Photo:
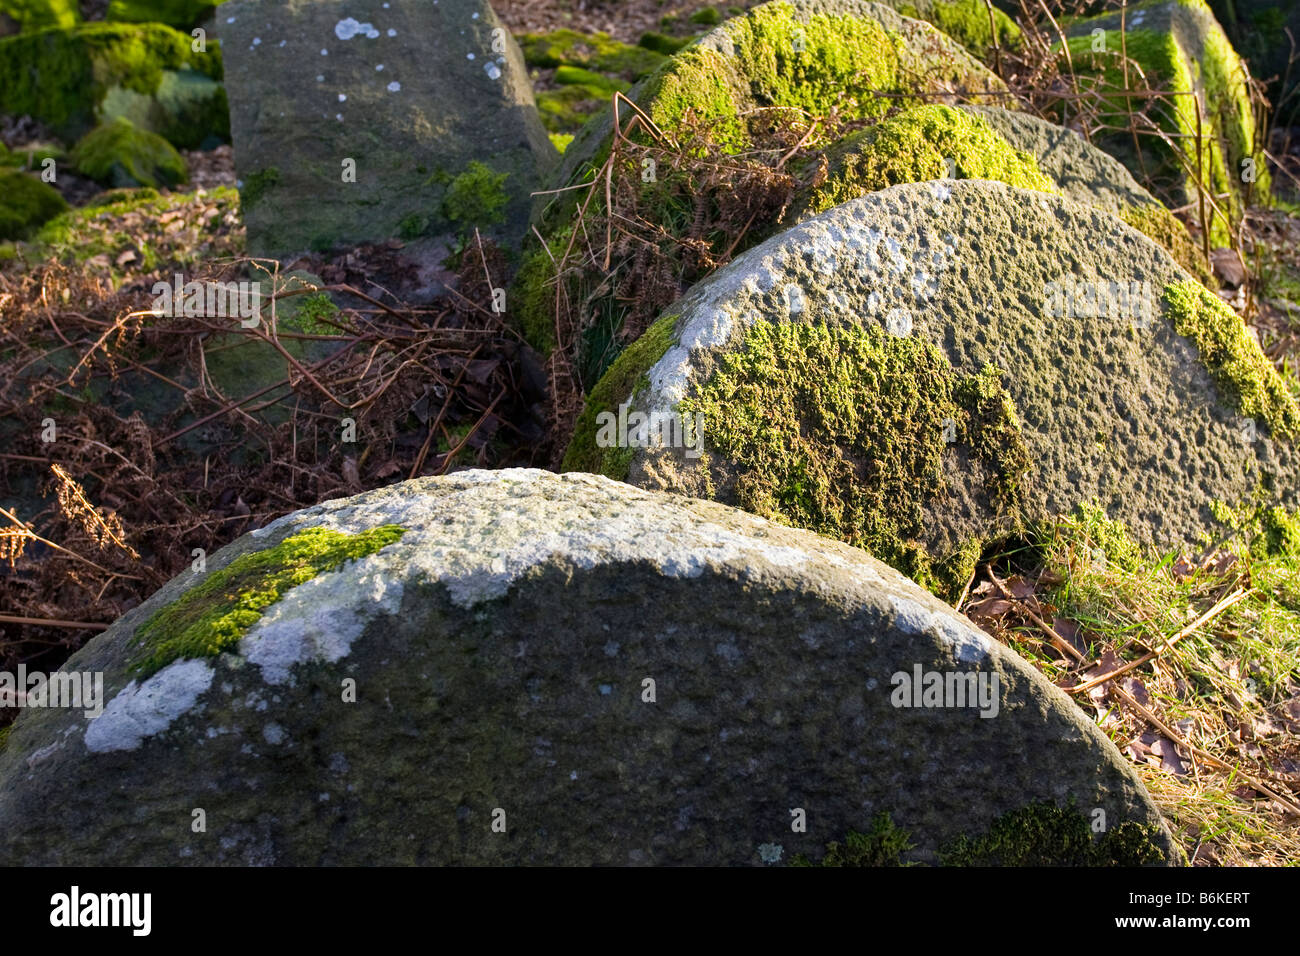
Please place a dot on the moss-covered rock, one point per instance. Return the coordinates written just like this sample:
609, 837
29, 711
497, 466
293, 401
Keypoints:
1180, 47
926, 142
181, 14
71, 79
363, 682
935, 366
119, 155
30, 15
26, 204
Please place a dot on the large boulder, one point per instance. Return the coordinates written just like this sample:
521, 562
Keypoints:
970, 22
1181, 48
345, 132
518, 667
936, 366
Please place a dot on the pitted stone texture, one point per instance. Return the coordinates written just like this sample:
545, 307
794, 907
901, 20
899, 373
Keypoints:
1083, 172
500, 650
411, 90
1110, 410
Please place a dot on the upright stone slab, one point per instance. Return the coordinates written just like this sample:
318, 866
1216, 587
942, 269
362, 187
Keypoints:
361, 120
936, 366
518, 667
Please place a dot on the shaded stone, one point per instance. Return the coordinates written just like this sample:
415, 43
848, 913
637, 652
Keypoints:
415, 95
615, 676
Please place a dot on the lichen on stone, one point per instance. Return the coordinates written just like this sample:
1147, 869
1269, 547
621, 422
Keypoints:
214, 615
843, 430
1247, 380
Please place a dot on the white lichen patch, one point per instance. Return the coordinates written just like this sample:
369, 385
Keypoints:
143, 710
320, 618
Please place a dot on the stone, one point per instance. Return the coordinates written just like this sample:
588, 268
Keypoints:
858, 59
355, 120
119, 155
935, 367
1091, 176
1182, 48
26, 204
608, 675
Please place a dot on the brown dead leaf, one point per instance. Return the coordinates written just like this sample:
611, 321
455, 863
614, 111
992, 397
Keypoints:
989, 609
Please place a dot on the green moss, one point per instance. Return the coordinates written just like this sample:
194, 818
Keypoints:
566, 109
843, 430
311, 312
560, 141
623, 380
597, 83
662, 43
1165, 229
61, 76
121, 197
477, 197
1248, 381
181, 14
1089, 528
118, 154
824, 63
32, 15
255, 186
706, 16
212, 616
1043, 834
916, 146
967, 22
591, 51
26, 204
1281, 532
883, 845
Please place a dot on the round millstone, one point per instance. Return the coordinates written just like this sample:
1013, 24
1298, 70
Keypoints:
1065, 309
551, 669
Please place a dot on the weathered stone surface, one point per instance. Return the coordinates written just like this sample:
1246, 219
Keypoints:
414, 92
1093, 177
500, 650
885, 422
